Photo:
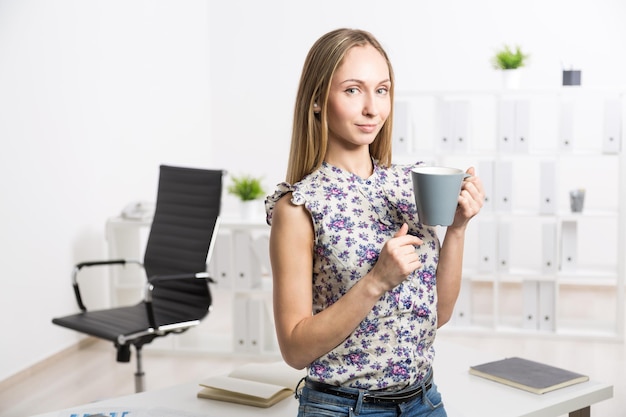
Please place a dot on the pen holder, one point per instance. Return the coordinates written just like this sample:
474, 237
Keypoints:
577, 200
571, 77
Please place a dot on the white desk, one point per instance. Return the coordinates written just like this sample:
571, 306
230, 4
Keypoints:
465, 395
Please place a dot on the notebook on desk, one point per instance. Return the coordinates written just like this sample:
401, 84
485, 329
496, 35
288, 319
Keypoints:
254, 384
527, 375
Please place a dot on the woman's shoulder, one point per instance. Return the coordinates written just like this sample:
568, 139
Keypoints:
281, 191
295, 193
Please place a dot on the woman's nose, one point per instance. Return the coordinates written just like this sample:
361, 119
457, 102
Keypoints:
370, 107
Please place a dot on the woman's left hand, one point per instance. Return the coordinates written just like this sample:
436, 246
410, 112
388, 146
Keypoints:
471, 199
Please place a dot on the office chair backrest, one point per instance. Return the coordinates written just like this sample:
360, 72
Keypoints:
184, 224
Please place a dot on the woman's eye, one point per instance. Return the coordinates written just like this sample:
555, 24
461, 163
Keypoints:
352, 90
383, 90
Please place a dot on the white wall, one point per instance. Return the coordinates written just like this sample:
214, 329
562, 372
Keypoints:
95, 94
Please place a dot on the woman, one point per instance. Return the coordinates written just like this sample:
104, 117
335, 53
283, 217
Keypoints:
360, 286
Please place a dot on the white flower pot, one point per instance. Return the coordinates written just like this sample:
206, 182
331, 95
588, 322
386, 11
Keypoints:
511, 79
249, 209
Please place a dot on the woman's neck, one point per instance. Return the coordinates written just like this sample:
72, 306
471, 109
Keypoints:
356, 162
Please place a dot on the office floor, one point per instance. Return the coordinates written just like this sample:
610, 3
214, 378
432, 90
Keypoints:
90, 373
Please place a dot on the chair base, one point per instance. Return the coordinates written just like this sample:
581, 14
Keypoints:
140, 376
123, 355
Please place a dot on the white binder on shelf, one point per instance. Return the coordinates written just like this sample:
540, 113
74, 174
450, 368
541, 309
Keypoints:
549, 264
503, 182
447, 131
522, 126
402, 141
506, 126
504, 247
255, 322
246, 270
612, 139
530, 304
569, 244
547, 298
547, 188
241, 337
487, 246
220, 265
261, 253
566, 126
461, 125
463, 308
486, 173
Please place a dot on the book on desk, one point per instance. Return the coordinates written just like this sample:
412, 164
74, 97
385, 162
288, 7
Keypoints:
255, 384
528, 375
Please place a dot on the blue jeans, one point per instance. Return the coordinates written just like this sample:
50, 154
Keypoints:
319, 404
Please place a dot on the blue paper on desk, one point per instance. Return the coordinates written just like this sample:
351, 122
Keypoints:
128, 412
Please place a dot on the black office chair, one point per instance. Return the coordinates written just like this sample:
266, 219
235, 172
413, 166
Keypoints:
177, 293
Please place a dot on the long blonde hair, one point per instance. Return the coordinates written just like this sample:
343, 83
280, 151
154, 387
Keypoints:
309, 137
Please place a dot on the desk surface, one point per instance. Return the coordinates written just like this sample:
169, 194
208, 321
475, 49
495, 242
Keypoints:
464, 395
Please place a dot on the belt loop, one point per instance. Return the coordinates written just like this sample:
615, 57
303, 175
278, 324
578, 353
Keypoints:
359, 402
298, 390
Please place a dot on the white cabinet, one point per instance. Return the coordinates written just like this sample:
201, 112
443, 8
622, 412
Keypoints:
242, 268
241, 319
126, 239
530, 263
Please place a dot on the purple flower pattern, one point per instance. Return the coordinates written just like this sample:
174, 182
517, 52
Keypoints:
353, 218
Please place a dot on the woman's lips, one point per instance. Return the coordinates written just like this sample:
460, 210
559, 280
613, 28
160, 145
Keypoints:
367, 128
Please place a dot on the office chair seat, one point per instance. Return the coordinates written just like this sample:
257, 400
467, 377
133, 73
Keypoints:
108, 324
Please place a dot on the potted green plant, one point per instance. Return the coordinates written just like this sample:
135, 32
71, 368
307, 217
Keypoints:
248, 189
510, 60
507, 58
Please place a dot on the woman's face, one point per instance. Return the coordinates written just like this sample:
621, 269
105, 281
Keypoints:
359, 101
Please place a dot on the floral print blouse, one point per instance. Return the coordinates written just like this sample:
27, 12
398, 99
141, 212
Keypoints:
352, 220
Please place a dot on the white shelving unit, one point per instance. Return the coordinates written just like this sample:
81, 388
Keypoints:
531, 264
241, 319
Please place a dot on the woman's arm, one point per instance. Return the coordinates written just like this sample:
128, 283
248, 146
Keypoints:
304, 337
450, 267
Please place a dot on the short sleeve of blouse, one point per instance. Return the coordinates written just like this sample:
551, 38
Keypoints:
283, 188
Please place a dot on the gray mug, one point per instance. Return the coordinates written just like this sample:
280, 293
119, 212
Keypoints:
437, 192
